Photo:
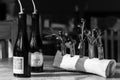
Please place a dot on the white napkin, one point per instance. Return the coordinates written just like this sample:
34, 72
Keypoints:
103, 67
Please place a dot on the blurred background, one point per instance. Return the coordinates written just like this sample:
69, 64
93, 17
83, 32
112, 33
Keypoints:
60, 15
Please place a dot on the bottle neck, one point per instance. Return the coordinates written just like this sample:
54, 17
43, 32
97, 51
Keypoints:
22, 38
35, 24
22, 23
35, 38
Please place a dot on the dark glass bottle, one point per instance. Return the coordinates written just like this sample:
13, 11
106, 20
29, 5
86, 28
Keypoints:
68, 40
63, 39
59, 41
77, 28
81, 49
36, 45
21, 66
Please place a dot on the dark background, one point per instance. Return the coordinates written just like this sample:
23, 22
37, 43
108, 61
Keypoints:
55, 7
62, 10
67, 6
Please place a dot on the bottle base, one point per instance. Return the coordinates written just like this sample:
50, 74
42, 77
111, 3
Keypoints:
22, 75
36, 69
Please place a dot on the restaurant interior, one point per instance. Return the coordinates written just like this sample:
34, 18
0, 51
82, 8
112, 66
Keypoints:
60, 15
57, 15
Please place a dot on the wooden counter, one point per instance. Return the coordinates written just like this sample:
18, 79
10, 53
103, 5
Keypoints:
51, 73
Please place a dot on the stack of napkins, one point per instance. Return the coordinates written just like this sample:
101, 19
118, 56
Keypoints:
104, 67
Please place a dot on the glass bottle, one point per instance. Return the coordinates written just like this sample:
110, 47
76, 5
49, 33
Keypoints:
21, 65
77, 28
36, 46
100, 46
67, 43
81, 48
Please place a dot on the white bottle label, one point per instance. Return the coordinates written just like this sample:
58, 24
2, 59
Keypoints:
36, 59
18, 65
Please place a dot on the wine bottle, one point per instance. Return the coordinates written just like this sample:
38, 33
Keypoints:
21, 65
36, 45
77, 28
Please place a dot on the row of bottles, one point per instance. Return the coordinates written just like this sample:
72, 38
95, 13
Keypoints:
93, 44
83, 39
84, 43
28, 56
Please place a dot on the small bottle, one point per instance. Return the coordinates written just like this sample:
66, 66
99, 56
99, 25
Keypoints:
77, 28
67, 43
91, 51
100, 46
70, 45
81, 48
36, 45
63, 39
21, 65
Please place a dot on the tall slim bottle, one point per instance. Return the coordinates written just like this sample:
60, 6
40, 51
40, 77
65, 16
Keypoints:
36, 45
21, 65
77, 28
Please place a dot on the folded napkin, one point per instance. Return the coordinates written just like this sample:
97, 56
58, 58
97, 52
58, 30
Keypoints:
104, 67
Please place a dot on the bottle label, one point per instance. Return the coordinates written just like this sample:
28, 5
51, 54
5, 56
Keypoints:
18, 66
36, 59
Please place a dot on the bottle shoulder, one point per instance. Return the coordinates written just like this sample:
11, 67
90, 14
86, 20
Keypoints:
21, 41
35, 44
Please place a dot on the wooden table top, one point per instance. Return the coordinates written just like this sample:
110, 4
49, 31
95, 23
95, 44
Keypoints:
51, 73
